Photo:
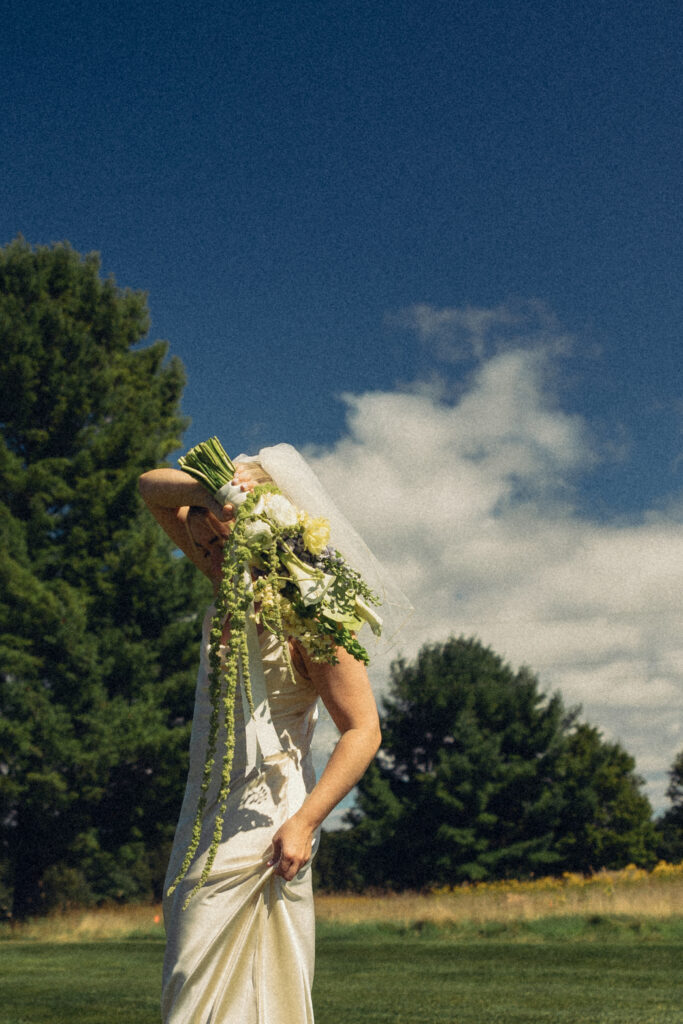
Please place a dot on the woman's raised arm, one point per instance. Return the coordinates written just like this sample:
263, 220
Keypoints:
346, 693
168, 494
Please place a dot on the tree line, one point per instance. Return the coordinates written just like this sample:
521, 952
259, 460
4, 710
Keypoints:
483, 776
480, 774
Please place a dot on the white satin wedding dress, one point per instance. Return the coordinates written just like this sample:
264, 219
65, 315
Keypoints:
243, 951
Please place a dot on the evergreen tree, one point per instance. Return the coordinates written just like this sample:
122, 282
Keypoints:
98, 620
479, 777
670, 825
605, 820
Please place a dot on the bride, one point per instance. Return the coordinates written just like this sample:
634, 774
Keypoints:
242, 952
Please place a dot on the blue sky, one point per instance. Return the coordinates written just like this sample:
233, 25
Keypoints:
473, 205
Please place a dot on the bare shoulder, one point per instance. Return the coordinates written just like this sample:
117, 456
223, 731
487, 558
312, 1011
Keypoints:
344, 688
322, 674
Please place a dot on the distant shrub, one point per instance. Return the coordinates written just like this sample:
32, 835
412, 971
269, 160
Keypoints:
65, 888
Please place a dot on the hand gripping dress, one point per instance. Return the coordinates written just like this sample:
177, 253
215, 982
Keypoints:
243, 951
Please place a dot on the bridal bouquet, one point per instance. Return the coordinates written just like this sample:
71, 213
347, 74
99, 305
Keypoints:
279, 565
301, 583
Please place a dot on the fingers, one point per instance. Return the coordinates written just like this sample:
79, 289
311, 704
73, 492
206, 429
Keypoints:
221, 520
284, 863
292, 848
242, 479
288, 869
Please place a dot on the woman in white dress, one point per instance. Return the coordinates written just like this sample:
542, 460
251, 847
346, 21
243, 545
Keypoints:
243, 950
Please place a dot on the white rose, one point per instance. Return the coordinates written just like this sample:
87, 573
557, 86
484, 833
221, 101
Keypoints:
281, 511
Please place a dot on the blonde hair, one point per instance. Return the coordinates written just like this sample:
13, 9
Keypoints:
257, 472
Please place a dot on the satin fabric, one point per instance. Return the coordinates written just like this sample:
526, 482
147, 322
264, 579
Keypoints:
243, 951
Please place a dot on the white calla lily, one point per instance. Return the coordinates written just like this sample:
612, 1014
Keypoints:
364, 611
313, 583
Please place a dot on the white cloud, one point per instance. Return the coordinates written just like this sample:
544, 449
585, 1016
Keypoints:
472, 508
456, 334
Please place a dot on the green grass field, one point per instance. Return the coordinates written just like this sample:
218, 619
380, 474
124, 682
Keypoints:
597, 970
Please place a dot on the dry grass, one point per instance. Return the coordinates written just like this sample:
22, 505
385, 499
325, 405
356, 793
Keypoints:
632, 892
125, 922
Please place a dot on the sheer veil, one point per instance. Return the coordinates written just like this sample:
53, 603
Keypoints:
288, 469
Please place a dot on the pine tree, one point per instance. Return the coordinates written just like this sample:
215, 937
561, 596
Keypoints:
481, 775
604, 818
98, 620
670, 825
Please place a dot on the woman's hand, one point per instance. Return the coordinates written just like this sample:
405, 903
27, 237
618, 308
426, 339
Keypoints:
292, 844
242, 480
